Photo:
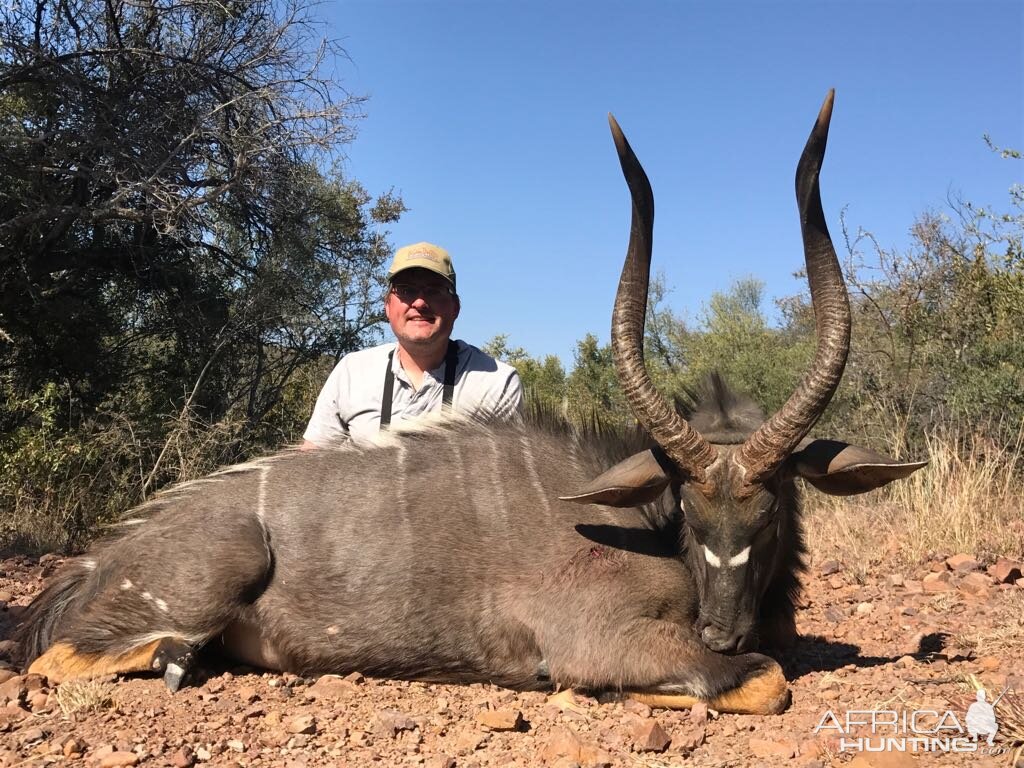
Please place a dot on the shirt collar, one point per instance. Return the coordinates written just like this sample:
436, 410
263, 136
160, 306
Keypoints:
435, 374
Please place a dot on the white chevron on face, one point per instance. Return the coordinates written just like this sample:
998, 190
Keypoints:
736, 560
713, 560
739, 559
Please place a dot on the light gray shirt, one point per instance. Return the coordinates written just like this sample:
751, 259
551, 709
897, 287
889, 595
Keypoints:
349, 403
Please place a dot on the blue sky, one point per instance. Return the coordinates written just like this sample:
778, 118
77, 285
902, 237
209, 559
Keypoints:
490, 119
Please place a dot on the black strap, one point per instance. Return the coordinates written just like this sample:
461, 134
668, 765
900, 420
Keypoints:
451, 364
389, 394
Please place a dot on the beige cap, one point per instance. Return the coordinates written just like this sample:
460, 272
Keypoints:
423, 256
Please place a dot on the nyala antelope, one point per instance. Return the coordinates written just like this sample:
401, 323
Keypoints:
503, 553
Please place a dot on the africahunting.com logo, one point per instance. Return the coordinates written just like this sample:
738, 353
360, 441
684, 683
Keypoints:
923, 730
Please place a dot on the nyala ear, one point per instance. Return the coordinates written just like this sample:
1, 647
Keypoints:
841, 469
637, 480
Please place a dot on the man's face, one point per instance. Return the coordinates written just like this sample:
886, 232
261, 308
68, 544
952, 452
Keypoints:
421, 308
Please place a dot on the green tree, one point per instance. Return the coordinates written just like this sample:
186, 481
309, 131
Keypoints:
937, 337
665, 334
177, 249
159, 163
937, 333
543, 380
734, 338
592, 388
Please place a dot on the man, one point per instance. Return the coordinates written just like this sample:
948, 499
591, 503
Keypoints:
426, 372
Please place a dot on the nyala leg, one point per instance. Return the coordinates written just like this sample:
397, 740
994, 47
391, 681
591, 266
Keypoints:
148, 601
172, 656
664, 664
764, 691
175, 658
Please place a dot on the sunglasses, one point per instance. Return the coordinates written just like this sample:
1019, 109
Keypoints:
408, 292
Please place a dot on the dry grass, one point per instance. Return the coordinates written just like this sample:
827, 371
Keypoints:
84, 696
1005, 635
968, 499
1010, 715
58, 492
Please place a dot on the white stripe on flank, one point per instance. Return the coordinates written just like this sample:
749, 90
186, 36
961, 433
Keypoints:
162, 605
739, 559
713, 560
498, 464
127, 584
176, 492
400, 480
531, 469
261, 498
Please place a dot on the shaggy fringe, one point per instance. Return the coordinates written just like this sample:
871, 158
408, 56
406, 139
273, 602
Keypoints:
62, 595
723, 416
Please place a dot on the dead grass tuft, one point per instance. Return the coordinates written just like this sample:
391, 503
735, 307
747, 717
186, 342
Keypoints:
84, 696
1006, 633
1010, 716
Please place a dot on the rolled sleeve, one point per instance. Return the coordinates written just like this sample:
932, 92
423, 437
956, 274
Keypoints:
326, 425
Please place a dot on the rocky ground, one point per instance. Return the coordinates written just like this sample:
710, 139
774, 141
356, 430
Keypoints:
903, 640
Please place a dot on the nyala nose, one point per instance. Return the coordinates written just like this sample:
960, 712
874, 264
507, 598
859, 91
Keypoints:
725, 640
718, 639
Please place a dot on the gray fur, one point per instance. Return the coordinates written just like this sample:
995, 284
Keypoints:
338, 567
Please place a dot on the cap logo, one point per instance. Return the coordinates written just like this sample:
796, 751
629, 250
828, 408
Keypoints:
428, 255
